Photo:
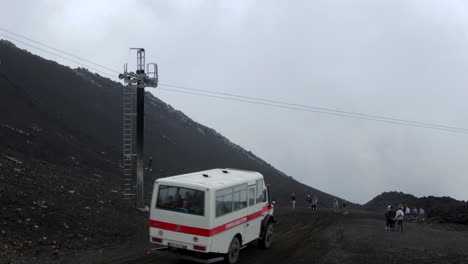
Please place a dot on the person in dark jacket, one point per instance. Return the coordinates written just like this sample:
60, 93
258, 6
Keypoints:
388, 217
314, 203
345, 207
150, 164
392, 215
309, 201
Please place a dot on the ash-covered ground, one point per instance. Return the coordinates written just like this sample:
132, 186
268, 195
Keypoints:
302, 236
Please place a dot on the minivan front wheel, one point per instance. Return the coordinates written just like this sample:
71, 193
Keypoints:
267, 238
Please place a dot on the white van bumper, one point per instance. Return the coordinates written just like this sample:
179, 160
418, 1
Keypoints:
188, 255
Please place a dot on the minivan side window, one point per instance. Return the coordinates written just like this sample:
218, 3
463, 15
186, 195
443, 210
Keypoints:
240, 200
231, 199
252, 196
223, 201
260, 191
243, 199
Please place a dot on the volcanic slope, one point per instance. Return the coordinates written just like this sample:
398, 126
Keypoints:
90, 105
60, 148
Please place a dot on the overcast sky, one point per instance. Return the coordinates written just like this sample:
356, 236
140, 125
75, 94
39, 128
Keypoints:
404, 59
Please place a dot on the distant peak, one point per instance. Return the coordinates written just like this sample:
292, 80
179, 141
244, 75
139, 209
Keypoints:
7, 42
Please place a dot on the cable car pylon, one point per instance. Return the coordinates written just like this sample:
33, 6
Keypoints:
133, 99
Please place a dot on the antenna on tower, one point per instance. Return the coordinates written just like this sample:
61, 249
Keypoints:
133, 94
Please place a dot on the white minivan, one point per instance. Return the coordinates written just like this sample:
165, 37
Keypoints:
211, 215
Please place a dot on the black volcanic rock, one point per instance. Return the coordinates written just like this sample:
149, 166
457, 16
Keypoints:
392, 198
440, 209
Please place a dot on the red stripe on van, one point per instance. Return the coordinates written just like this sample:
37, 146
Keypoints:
207, 232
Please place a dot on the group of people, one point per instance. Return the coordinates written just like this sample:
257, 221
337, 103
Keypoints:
403, 213
414, 214
312, 203
336, 206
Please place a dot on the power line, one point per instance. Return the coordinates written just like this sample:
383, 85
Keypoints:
60, 56
241, 98
64, 52
315, 111
314, 107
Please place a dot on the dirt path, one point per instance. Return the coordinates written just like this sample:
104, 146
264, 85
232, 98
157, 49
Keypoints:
327, 237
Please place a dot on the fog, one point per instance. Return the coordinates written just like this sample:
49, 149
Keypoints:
403, 59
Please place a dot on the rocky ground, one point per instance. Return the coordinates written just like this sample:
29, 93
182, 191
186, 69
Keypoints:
47, 211
359, 237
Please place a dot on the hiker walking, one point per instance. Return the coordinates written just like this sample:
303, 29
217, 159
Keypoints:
414, 214
421, 214
149, 166
309, 201
407, 212
335, 205
293, 200
388, 218
392, 217
314, 203
399, 218
345, 207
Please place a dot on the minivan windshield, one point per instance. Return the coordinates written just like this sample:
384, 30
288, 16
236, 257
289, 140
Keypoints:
180, 199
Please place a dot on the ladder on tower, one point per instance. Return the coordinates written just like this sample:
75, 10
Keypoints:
129, 122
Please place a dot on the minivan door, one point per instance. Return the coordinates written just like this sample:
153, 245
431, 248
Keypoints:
253, 226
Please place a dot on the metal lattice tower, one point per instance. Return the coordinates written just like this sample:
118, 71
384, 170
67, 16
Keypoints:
133, 118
